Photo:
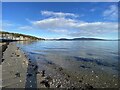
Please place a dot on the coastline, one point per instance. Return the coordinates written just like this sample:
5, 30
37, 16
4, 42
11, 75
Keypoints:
18, 71
22, 71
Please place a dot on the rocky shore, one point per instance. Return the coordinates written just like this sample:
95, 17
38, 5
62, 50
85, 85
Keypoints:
3, 47
19, 70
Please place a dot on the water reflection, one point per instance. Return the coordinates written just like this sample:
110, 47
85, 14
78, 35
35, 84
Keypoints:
102, 53
26, 42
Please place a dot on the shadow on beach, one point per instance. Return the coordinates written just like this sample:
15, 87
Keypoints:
31, 76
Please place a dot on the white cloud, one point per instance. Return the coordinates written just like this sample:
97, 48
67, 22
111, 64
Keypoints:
111, 13
78, 26
53, 23
58, 14
59, 31
25, 28
72, 27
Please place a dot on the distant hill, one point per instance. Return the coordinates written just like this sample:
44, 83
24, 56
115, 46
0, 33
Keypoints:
80, 39
63, 39
87, 39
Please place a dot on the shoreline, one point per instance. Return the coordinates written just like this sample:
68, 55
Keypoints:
3, 47
23, 71
14, 67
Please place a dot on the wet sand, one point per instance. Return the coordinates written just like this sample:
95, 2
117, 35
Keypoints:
20, 71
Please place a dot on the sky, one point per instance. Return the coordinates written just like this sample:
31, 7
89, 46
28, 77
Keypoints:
61, 19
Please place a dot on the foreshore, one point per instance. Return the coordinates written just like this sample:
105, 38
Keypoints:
14, 67
20, 71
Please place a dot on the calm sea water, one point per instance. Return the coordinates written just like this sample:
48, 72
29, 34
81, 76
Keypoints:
71, 54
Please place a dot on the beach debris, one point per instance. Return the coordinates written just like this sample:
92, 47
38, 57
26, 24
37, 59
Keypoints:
48, 78
18, 55
68, 76
30, 85
17, 74
80, 81
3, 59
50, 62
67, 79
92, 71
38, 72
72, 88
88, 87
43, 73
32, 65
25, 55
45, 82
29, 75
35, 67
85, 67
18, 48
59, 85
20, 80
29, 61
11, 55
60, 69
96, 76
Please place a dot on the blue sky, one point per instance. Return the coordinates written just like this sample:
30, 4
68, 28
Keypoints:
61, 20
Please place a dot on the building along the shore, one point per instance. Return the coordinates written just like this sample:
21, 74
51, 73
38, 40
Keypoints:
16, 36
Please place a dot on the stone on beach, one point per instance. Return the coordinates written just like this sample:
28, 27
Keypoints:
48, 78
18, 55
59, 85
46, 83
17, 74
88, 87
36, 67
43, 73
29, 74
60, 68
3, 59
